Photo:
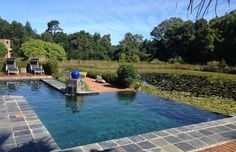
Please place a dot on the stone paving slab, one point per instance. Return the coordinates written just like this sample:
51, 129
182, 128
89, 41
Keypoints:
19, 133
55, 84
186, 138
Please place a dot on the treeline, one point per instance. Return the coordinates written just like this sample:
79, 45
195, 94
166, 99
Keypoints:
174, 40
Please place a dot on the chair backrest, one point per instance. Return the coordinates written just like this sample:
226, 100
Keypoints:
34, 62
10, 61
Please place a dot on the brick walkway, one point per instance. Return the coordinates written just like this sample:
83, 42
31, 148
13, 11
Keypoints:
228, 147
100, 87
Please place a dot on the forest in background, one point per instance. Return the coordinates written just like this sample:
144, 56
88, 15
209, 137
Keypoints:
173, 40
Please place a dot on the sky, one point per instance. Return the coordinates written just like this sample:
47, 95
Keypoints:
114, 17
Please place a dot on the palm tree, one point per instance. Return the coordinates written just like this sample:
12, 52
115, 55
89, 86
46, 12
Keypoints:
202, 6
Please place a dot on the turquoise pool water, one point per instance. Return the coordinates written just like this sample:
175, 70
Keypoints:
83, 120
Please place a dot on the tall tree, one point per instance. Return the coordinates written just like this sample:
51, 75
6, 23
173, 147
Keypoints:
129, 47
53, 27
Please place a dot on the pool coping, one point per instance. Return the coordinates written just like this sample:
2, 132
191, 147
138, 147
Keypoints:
21, 129
186, 138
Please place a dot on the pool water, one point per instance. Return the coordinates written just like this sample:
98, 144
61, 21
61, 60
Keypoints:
88, 119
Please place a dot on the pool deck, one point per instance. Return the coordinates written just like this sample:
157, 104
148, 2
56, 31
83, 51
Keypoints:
4, 76
22, 130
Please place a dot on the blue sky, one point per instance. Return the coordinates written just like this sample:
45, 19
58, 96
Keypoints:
115, 17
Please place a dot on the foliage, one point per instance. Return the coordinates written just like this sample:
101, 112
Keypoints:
157, 61
39, 48
2, 65
3, 50
126, 74
129, 48
176, 59
51, 68
217, 104
137, 84
195, 42
53, 27
17, 33
83, 45
216, 66
109, 77
197, 85
21, 63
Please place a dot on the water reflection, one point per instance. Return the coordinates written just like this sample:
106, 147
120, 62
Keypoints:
35, 85
74, 103
126, 97
12, 85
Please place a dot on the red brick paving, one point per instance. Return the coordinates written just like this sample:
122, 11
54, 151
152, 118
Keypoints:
23, 76
227, 147
100, 87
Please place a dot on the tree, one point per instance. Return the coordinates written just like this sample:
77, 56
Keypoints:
165, 27
165, 38
62, 39
83, 45
53, 27
17, 33
225, 27
46, 36
130, 46
42, 49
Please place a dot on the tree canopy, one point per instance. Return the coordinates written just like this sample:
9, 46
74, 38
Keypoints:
193, 42
41, 49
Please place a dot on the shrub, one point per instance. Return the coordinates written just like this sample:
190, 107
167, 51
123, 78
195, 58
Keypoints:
126, 74
3, 50
157, 61
21, 64
216, 66
137, 84
107, 76
42, 49
51, 68
2, 65
176, 59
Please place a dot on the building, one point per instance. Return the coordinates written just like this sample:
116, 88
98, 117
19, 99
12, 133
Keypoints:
7, 43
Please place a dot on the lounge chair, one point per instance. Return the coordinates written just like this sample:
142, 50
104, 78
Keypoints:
34, 66
11, 66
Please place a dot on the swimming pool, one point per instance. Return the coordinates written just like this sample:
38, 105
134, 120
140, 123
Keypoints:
88, 119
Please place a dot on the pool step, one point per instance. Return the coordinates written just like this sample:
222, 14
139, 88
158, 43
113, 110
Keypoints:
61, 87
